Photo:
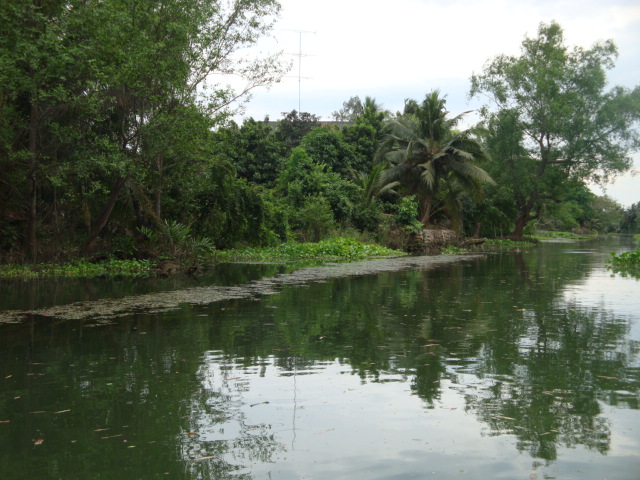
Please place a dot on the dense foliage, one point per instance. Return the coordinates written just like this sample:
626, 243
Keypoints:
107, 109
116, 142
430, 159
554, 126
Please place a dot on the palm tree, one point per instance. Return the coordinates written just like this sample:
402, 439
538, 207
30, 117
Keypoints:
431, 159
371, 184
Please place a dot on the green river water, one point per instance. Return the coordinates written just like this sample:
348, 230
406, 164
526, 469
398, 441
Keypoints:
506, 366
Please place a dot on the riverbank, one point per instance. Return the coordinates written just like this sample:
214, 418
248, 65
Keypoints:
336, 249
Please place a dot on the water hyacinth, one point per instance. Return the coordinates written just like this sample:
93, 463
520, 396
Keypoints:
337, 248
113, 267
627, 263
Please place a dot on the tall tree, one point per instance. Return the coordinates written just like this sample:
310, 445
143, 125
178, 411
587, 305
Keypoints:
556, 120
326, 145
351, 109
139, 77
431, 159
253, 149
365, 132
294, 126
35, 90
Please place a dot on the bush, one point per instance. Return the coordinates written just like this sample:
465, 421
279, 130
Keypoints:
314, 220
231, 211
406, 216
174, 240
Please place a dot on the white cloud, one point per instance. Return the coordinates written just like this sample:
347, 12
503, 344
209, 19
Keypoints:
359, 47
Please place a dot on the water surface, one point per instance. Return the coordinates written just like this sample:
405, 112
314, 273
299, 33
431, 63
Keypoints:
519, 365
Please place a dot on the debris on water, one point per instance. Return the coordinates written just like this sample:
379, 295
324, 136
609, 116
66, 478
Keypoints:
100, 312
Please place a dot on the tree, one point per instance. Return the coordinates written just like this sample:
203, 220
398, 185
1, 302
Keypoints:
630, 220
229, 210
326, 145
294, 126
304, 182
35, 57
607, 215
431, 159
554, 119
107, 95
365, 132
351, 109
254, 149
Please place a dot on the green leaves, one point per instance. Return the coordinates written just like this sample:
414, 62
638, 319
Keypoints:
93, 92
83, 268
332, 248
432, 160
555, 123
627, 263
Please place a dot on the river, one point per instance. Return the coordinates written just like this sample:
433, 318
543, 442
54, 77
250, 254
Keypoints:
518, 365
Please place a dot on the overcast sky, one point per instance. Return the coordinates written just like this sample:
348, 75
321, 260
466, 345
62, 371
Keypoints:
404, 49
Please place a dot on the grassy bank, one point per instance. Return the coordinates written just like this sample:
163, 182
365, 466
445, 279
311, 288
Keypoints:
333, 249
81, 268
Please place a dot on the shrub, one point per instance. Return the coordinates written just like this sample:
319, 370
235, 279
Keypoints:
406, 215
174, 240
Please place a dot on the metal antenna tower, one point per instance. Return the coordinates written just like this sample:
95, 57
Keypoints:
300, 55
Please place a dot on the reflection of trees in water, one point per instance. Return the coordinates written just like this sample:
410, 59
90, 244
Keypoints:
549, 364
542, 366
220, 442
546, 388
527, 364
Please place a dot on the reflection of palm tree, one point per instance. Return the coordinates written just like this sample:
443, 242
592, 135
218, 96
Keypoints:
430, 158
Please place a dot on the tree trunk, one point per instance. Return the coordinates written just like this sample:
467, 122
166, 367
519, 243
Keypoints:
157, 203
524, 217
426, 211
521, 222
524, 213
157, 194
476, 232
105, 214
32, 210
